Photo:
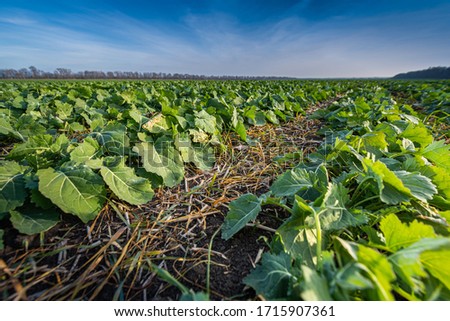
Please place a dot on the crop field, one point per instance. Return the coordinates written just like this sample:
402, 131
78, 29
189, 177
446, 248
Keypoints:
225, 190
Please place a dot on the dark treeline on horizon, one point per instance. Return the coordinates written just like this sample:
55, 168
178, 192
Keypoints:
430, 73
64, 73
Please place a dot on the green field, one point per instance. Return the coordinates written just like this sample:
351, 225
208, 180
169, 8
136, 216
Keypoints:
298, 190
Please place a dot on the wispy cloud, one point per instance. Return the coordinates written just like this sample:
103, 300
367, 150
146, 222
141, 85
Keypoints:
217, 43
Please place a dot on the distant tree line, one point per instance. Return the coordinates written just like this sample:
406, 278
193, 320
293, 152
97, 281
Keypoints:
63, 73
430, 73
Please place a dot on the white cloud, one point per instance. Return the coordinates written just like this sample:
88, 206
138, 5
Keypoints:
218, 44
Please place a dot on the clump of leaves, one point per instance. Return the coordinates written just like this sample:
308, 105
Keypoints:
368, 213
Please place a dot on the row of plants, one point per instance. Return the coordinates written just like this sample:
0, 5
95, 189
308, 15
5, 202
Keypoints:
368, 212
70, 147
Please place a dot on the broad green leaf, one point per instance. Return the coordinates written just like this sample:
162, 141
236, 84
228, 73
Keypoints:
361, 105
2, 245
41, 151
63, 110
299, 241
241, 211
85, 151
376, 266
375, 141
75, 190
27, 126
392, 190
260, 118
60, 145
181, 121
420, 186
350, 277
399, 235
408, 262
315, 286
250, 113
96, 122
441, 178
33, 146
418, 133
339, 147
137, 116
162, 159
437, 263
19, 102
272, 278
234, 116
124, 183
166, 105
281, 115
5, 126
12, 186
206, 122
438, 153
241, 130
40, 200
76, 127
440, 202
34, 221
113, 139
390, 130
333, 213
292, 181
183, 144
202, 156
270, 115
7, 129
301, 209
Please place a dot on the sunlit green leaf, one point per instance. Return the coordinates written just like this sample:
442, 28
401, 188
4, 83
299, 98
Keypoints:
375, 265
75, 190
392, 190
85, 151
438, 153
409, 264
206, 122
399, 235
124, 183
241, 211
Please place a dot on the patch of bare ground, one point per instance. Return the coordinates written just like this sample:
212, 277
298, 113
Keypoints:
111, 258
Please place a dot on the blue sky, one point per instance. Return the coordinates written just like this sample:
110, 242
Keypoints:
298, 38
